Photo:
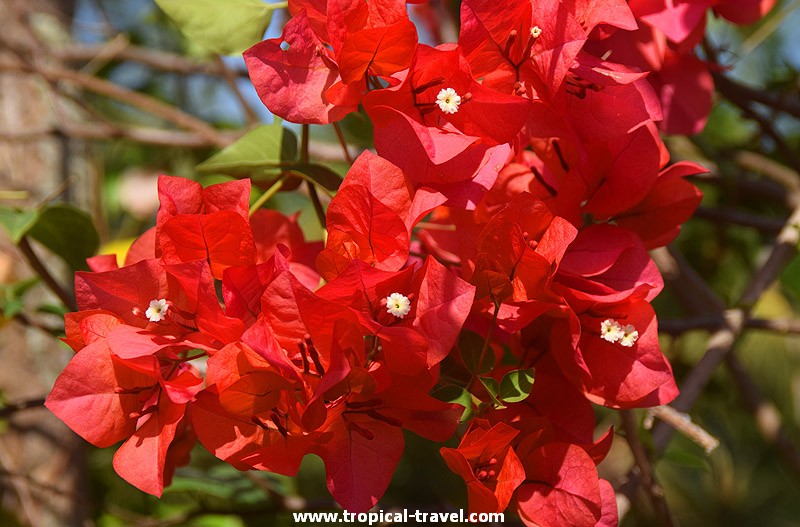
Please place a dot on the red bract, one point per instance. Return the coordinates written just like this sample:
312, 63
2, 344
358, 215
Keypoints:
195, 223
561, 488
105, 399
249, 396
520, 247
440, 139
368, 439
488, 464
293, 75
371, 217
187, 288
658, 217
439, 303
271, 229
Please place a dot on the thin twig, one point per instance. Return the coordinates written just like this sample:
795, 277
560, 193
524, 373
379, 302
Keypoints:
130, 97
107, 132
722, 340
682, 423
232, 79
271, 191
729, 216
648, 479
714, 322
312, 188
36, 264
11, 408
768, 418
733, 89
342, 142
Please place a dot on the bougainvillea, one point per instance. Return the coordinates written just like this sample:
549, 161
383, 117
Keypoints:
518, 184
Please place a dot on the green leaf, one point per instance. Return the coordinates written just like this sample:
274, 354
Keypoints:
470, 345
458, 395
11, 297
319, 175
516, 385
227, 27
17, 222
68, 232
261, 149
493, 387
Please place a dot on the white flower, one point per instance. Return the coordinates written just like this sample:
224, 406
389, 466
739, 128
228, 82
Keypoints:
157, 310
536, 31
610, 330
630, 336
398, 305
448, 100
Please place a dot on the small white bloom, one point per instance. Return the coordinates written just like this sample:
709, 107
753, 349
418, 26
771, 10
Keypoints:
536, 31
448, 100
630, 336
610, 330
157, 310
398, 305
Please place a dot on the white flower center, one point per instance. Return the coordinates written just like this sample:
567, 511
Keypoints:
536, 31
157, 310
398, 305
610, 330
630, 336
448, 100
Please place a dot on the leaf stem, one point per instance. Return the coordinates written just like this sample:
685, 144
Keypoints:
342, 142
486, 342
312, 189
271, 191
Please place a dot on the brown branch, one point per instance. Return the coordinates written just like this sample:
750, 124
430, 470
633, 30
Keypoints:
734, 90
109, 132
130, 97
10, 409
714, 322
231, 79
768, 418
725, 216
722, 340
342, 142
683, 424
36, 264
646, 473
155, 59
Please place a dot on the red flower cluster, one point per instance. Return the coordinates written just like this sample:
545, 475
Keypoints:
338, 372
537, 164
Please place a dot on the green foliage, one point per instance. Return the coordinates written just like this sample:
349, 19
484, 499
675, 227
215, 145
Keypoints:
458, 395
11, 296
227, 27
493, 389
262, 150
516, 385
470, 344
17, 222
66, 230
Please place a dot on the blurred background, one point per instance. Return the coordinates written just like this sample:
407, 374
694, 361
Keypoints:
98, 97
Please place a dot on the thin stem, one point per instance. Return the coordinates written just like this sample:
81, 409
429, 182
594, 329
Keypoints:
312, 188
312, 192
342, 142
271, 191
12, 408
767, 416
37, 265
486, 343
654, 490
231, 78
